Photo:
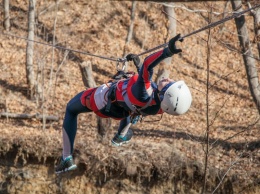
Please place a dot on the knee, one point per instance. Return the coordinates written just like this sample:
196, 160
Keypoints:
70, 108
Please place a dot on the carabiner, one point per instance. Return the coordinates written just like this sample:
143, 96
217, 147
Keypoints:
123, 61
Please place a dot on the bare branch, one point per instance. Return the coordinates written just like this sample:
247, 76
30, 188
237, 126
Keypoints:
217, 113
231, 48
207, 108
190, 10
249, 127
224, 77
232, 164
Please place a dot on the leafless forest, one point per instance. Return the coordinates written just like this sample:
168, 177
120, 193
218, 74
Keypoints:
52, 50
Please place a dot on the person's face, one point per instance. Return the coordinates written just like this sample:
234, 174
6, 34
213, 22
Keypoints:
163, 82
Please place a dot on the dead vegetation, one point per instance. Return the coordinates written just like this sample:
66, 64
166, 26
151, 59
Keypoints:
165, 156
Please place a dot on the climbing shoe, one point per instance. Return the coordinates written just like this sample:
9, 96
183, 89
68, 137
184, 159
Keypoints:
65, 165
118, 140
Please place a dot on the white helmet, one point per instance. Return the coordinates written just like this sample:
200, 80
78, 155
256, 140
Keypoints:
177, 99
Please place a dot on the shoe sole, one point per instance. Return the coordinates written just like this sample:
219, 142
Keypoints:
73, 167
119, 144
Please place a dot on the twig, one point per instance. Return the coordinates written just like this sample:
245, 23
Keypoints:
190, 10
217, 113
171, 16
58, 70
246, 129
233, 163
207, 108
225, 77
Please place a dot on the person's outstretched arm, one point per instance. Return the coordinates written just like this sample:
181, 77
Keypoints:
142, 89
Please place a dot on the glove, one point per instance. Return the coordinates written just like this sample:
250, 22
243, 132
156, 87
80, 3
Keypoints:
172, 45
135, 59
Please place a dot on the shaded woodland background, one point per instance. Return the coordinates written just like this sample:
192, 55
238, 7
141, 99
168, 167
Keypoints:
214, 148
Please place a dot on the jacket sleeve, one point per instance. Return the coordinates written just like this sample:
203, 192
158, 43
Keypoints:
146, 72
142, 89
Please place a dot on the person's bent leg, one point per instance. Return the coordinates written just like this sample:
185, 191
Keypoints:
69, 130
74, 107
124, 126
124, 133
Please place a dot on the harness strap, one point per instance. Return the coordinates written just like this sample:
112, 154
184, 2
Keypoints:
130, 105
110, 95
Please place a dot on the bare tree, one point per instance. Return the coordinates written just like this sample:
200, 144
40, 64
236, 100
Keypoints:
86, 70
102, 123
48, 92
171, 18
251, 70
170, 13
256, 16
207, 135
6, 15
29, 49
131, 27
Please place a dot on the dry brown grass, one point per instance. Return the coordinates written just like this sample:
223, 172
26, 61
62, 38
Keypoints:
163, 157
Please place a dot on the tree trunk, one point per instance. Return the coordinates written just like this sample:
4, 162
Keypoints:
172, 21
163, 71
131, 27
86, 70
6, 15
29, 49
251, 70
256, 15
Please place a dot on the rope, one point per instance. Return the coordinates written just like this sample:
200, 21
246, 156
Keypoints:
64, 48
203, 28
123, 60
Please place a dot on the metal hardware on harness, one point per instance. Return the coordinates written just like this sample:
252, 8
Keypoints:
110, 95
133, 108
123, 61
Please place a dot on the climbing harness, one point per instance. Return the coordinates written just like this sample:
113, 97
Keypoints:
120, 74
123, 62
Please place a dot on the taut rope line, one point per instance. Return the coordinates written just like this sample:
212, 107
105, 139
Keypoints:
150, 50
63, 48
204, 28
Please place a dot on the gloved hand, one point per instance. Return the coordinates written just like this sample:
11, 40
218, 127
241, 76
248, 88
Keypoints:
135, 59
172, 45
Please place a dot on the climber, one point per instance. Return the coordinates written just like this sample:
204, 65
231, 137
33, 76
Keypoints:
126, 99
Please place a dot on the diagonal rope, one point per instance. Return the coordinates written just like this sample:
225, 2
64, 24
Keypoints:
204, 28
63, 48
145, 52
